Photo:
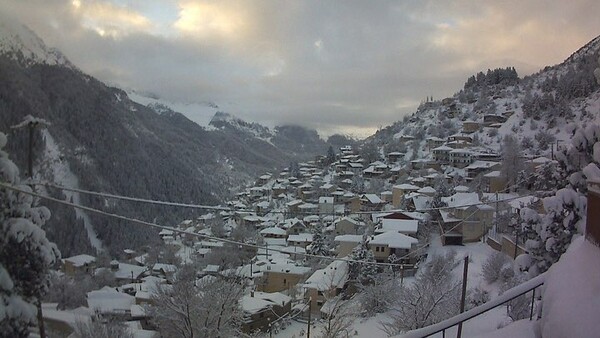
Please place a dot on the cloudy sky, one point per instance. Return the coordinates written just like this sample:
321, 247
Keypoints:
338, 66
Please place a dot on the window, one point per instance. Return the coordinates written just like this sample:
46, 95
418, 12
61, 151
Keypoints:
376, 249
284, 281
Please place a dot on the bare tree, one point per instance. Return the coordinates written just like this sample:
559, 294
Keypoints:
340, 315
433, 297
208, 307
493, 265
96, 329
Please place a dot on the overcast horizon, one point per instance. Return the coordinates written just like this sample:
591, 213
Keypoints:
347, 67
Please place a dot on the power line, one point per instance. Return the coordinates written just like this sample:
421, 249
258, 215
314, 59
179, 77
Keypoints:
209, 207
158, 226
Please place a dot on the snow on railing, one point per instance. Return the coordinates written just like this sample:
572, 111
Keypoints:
511, 294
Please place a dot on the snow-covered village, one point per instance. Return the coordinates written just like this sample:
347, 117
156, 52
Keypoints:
129, 214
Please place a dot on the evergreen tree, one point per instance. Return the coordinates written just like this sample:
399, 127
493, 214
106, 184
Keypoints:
364, 269
330, 155
25, 253
319, 244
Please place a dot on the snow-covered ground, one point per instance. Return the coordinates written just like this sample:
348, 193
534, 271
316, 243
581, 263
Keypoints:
62, 175
479, 326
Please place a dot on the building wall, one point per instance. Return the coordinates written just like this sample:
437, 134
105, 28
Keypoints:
279, 281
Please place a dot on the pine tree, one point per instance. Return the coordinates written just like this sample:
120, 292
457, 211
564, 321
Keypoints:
319, 245
363, 270
25, 253
330, 155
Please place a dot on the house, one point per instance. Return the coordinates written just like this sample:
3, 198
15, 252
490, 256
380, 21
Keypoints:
326, 204
398, 192
126, 273
293, 207
460, 158
434, 142
467, 216
164, 270
60, 323
273, 232
79, 264
490, 119
346, 243
470, 127
403, 226
348, 226
260, 309
281, 276
441, 154
494, 182
371, 202
325, 284
109, 301
394, 156
391, 242
293, 226
480, 167
300, 240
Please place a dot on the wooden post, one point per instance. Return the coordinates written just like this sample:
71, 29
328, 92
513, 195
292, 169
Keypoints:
464, 294
40, 318
309, 312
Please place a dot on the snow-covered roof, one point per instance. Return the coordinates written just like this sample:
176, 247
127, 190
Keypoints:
394, 239
495, 173
482, 165
333, 276
422, 202
405, 226
109, 300
325, 199
80, 260
461, 188
125, 271
273, 231
461, 199
426, 190
301, 238
443, 148
164, 267
254, 305
373, 198
406, 186
348, 238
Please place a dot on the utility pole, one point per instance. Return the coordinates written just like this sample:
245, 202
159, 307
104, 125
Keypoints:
32, 122
309, 312
464, 294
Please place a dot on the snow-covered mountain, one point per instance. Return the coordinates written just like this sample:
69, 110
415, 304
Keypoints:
542, 110
21, 43
107, 142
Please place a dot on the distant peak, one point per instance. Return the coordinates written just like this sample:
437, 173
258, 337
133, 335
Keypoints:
21, 43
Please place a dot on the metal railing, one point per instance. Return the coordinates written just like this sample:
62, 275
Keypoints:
519, 290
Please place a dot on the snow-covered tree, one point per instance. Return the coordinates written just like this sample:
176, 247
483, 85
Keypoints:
433, 297
319, 245
340, 315
330, 155
208, 307
362, 269
493, 265
377, 297
25, 253
97, 329
511, 163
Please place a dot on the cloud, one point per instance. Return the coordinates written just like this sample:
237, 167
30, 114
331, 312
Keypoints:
352, 65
